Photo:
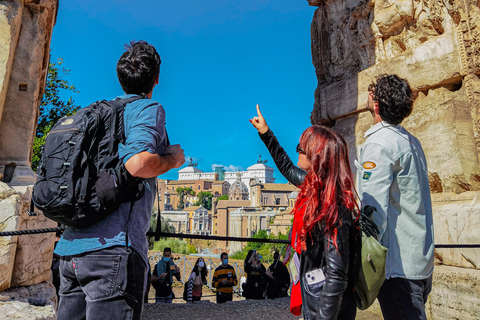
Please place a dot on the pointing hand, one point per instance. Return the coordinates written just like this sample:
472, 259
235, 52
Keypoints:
259, 122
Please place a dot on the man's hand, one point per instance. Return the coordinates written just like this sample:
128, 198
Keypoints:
177, 269
226, 282
259, 122
176, 152
163, 275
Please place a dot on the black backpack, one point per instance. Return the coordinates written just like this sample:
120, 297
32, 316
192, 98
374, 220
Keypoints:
80, 177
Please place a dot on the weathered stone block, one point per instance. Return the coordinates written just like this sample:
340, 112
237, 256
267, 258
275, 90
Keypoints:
10, 22
29, 303
454, 294
442, 121
10, 204
34, 252
457, 221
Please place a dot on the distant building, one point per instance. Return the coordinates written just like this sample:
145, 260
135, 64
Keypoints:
259, 172
170, 199
199, 220
177, 219
272, 195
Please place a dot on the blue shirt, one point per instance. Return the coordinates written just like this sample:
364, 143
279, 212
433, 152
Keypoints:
144, 121
393, 177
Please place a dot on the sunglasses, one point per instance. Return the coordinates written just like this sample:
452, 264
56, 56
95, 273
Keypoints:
371, 87
299, 150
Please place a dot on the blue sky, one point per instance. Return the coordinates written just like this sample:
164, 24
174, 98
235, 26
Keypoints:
219, 59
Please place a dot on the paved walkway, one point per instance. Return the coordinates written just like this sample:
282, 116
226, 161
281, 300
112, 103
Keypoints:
241, 309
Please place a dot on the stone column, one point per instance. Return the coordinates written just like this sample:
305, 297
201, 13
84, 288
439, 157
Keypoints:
25, 31
28, 25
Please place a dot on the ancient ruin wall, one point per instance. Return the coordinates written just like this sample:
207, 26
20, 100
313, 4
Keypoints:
435, 45
25, 32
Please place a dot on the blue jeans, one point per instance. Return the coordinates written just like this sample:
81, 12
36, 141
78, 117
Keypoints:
167, 299
104, 284
403, 299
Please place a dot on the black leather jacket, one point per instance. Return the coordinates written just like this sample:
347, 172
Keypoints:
292, 173
327, 303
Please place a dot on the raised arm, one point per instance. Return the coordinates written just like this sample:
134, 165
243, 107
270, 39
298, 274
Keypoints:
292, 173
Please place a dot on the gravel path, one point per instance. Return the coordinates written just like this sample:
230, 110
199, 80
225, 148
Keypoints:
243, 309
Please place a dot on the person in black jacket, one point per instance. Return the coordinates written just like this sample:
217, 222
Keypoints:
324, 215
278, 278
255, 271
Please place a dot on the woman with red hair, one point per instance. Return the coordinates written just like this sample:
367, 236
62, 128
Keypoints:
322, 231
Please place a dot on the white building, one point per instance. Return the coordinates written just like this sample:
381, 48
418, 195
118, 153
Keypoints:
259, 172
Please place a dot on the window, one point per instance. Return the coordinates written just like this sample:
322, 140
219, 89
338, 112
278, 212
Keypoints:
277, 201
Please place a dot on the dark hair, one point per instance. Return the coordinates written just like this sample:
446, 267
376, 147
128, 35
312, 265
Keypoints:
247, 258
328, 184
138, 68
394, 97
223, 254
167, 249
204, 271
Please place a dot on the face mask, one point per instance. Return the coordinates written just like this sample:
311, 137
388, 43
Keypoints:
201, 264
166, 259
225, 261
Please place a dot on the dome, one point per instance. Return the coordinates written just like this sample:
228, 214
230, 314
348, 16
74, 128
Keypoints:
238, 186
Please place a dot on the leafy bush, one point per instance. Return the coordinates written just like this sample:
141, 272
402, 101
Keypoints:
177, 245
266, 250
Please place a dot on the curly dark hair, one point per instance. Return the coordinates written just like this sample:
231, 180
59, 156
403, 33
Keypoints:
138, 68
394, 97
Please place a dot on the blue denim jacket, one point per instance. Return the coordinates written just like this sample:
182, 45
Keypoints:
393, 177
145, 131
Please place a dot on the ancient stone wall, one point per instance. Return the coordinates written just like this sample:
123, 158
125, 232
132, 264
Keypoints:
435, 45
25, 32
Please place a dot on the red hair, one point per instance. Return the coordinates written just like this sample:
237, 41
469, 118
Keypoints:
328, 184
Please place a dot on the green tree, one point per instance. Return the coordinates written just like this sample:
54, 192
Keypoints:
224, 197
266, 250
205, 200
52, 106
182, 192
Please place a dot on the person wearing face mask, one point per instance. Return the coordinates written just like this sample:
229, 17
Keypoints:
255, 271
224, 279
162, 277
196, 281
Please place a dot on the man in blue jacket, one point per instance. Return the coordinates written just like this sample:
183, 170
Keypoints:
103, 267
162, 278
393, 177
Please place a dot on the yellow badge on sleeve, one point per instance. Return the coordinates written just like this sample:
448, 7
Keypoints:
367, 175
369, 165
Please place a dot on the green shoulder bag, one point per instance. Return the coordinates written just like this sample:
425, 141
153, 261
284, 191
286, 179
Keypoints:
371, 268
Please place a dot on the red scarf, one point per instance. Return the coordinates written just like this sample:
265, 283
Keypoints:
296, 293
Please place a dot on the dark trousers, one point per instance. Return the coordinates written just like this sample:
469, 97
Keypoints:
104, 284
403, 299
224, 297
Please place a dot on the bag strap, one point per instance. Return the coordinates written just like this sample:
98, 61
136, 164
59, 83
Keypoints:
366, 223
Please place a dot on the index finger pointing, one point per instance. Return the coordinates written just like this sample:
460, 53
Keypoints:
258, 112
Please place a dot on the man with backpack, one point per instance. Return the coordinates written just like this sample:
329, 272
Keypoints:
103, 266
393, 177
